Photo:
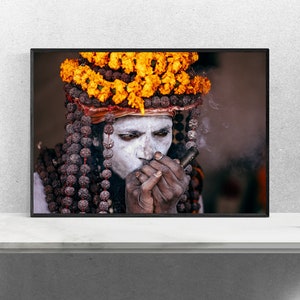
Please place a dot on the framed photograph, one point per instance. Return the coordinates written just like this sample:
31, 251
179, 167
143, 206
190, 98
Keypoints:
149, 132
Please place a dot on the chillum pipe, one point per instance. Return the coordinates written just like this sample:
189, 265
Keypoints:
187, 158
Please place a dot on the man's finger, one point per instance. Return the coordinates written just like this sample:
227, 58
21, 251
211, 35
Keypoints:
170, 163
146, 199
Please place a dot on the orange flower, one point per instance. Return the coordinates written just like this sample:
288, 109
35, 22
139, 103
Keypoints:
98, 58
128, 62
67, 69
115, 60
136, 102
156, 71
120, 93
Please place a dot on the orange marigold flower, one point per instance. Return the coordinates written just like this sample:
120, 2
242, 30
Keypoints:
128, 64
120, 93
183, 78
67, 69
115, 60
136, 102
165, 89
201, 85
143, 63
104, 94
133, 87
180, 89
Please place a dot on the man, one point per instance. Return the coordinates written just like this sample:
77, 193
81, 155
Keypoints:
119, 154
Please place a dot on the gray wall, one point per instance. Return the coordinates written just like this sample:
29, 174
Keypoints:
37, 25
103, 24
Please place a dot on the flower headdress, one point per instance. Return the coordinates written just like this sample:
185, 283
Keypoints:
133, 82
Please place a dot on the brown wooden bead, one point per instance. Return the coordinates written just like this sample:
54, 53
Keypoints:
75, 137
78, 114
84, 181
85, 152
103, 205
104, 195
107, 153
105, 184
193, 123
77, 126
86, 130
147, 103
107, 163
75, 159
108, 143
74, 148
83, 193
155, 101
70, 117
164, 101
174, 100
71, 107
69, 191
106, 174
85, 169
71, 180
108, 129
72, 169
52, 206
67, 201
192, 134
69, 128
49, 198
83, 205
48, 189
86, 120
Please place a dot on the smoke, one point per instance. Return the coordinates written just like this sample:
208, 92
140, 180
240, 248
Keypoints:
233, 120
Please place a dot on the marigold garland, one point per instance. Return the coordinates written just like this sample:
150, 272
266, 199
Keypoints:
162, 72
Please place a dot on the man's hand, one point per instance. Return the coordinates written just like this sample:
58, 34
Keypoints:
172, 183
138, 196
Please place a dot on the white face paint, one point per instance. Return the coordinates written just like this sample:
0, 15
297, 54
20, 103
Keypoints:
136, 139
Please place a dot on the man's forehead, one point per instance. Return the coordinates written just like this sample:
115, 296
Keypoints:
137, 122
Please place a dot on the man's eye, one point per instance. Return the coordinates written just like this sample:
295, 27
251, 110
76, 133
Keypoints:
127, 136
161, 133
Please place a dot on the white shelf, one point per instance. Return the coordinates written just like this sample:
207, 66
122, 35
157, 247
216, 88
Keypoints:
277, 233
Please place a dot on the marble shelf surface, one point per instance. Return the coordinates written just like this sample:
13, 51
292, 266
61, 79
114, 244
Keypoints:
280, 232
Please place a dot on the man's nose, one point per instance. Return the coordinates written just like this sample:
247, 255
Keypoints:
147, 149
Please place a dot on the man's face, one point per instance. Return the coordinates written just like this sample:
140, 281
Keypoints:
136, 139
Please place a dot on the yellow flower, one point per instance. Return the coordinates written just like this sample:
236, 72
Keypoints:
143, 63
133, 87
67, 69
120, 93
136, 102
183, 78
160, 63
199, 84
98, 58
165, 89
104, 94
155, 71
128, 62
115, 60
180, 89
150, 85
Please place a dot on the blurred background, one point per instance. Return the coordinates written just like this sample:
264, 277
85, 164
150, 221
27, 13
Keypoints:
233, 132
